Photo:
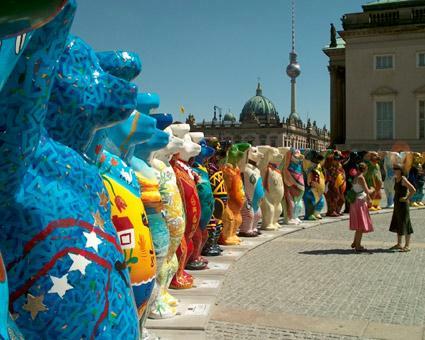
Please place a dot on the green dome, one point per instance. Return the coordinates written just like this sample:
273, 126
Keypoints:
259, 109
229, 117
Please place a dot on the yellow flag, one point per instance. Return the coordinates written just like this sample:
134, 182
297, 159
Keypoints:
182, 109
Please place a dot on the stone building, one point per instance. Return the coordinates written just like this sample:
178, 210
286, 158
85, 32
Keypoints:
377, 77
259, 124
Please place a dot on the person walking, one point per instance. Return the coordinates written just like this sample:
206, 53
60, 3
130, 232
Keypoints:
360, 220
400, 222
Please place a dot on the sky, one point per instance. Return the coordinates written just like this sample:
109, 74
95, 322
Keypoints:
201, 53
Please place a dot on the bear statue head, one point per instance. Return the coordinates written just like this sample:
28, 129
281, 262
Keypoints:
136, 129
220, 150
189, 149
159, 140
174, 146
252, 156
271, 156
206, 151
121, 64
283, 150
140, 127
372, 156
236, 152
85, 98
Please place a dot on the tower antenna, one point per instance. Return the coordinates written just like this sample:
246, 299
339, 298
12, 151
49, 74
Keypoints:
293, 24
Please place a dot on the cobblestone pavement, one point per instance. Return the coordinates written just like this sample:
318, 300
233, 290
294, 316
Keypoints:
314, 273
226, 330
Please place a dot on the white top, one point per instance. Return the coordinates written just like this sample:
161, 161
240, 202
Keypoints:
359, 190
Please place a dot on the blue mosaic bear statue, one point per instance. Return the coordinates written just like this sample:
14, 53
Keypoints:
10, 51
66, 271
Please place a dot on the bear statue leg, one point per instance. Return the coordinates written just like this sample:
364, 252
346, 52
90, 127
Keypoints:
217, 232
228, 233
173, 266
319, 207
290, 207
390, 199
309, 204
247, 227
277, 213
195, 262
268, 211
257, 217
298, 205
236, 225
210, 247
340, 205
181, 279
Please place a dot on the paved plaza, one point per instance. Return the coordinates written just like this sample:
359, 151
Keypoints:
310, 285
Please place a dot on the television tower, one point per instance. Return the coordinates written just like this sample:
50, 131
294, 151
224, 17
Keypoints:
293, 70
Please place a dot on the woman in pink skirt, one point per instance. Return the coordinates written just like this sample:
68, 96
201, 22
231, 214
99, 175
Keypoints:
360, 220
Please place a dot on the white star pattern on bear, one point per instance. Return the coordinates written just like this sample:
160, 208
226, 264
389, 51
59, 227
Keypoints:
60, 285
92, 240
79, 263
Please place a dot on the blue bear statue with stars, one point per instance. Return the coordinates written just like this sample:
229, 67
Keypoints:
66, 271
13, 41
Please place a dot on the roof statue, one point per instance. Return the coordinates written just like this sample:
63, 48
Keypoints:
333, 37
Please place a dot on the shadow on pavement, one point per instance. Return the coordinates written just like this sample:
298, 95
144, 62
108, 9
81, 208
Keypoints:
346, 252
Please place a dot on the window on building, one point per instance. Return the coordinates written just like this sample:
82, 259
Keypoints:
263, 140
385, 120
273, 141
422, 119
421, 59
383, 62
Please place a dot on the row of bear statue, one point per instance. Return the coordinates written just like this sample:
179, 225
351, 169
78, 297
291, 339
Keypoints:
105, 205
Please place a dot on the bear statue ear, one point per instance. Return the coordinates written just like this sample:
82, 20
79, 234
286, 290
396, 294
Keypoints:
121, 64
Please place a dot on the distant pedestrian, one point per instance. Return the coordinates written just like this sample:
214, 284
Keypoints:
360, 220
400, 222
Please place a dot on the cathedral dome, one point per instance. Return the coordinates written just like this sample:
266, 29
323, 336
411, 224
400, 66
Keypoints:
259, 109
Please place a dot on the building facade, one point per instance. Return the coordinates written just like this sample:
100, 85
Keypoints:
259, 124
377, 77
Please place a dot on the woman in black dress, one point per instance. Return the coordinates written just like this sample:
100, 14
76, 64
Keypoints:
400, 222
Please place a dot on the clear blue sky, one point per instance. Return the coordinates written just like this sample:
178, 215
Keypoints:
201, 53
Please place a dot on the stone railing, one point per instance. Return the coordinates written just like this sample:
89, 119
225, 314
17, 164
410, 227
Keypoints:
393, 17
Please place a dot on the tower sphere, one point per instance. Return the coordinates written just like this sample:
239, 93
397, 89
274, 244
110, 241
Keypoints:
293, 70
